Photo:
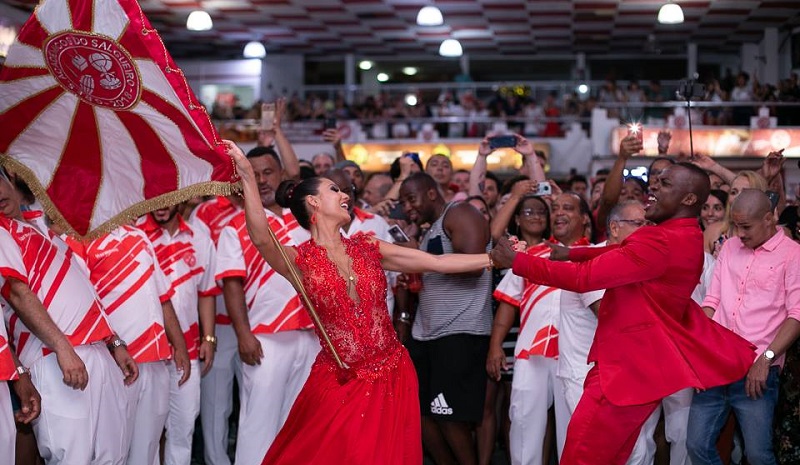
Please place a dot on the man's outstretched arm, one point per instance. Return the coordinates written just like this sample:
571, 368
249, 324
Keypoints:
642, 258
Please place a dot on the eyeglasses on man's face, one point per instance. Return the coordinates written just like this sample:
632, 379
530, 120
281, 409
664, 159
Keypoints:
637, 223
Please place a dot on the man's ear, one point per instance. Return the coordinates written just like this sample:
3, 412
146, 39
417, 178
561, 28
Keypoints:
613, 229
689, 199
432, 194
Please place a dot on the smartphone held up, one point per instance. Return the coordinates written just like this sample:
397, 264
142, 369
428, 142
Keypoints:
499, 142
267, 116
636, 130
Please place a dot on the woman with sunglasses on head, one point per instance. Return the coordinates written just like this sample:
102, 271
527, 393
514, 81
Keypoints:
367, 411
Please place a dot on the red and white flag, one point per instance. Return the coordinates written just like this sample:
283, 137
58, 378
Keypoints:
98, 119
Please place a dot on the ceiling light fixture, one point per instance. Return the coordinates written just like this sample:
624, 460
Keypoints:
255, 49
199, 20
411, 100
583, 88
450, 48
410, 70
365, 65
670, 13
429, 16
382, 77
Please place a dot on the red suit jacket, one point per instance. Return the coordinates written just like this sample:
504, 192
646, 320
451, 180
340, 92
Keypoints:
652, 339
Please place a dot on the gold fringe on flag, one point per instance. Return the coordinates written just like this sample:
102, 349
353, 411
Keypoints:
125, 216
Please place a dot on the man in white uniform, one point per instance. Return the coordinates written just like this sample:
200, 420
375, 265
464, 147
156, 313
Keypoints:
135, 293
186, 256
216, 387
58, 328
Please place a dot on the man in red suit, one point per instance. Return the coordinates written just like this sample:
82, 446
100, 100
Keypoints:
652, 339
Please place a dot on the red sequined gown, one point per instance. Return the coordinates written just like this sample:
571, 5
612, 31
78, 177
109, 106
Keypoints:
370, 413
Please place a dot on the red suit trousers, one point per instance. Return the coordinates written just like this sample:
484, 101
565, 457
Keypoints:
601, 433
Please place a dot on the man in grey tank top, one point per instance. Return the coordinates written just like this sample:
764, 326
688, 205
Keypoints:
450, 333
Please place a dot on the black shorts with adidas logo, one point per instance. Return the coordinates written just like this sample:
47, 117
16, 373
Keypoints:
452, 376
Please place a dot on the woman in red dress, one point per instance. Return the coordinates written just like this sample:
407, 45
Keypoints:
369, 412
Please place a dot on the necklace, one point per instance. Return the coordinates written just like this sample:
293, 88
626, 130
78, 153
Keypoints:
348, 273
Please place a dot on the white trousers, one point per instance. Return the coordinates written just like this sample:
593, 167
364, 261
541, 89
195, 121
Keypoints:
81, 427
148, 405
184, 406
269, 390
534, 390
676, 419
8, 432
216, 396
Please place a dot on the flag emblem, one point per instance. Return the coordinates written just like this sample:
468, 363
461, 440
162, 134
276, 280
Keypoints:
95, 68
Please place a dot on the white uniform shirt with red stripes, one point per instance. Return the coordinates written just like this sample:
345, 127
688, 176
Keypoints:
52, 272
125, 272
378, 228
7, 369
213, 215
272, 303
539, 308
187, 259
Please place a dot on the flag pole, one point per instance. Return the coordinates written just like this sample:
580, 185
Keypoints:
294, 278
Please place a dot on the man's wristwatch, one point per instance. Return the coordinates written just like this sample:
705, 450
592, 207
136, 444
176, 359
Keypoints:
210, 339
21, 370
769, 355
116, 342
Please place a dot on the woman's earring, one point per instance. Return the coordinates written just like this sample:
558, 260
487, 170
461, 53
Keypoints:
314, 218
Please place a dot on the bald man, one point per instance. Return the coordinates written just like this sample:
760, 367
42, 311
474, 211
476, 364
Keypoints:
652, 340
755, 292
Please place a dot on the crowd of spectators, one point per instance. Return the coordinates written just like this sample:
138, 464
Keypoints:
534, 112
516, 370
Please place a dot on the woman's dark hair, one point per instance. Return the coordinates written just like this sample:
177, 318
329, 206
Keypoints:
394, 168
721, 195
514, 229
292, 194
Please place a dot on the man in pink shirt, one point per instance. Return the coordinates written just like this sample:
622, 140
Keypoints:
755, 292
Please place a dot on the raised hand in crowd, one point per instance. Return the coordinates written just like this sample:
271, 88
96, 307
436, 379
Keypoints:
773, 165
709, 164
333, 137
663, 139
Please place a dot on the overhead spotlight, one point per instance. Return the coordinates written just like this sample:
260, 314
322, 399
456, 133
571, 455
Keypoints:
410, 70
583, 88
411, 100
670, 13
429, 16
382, 77
199, 20
365, 65
255, 49
450, 48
